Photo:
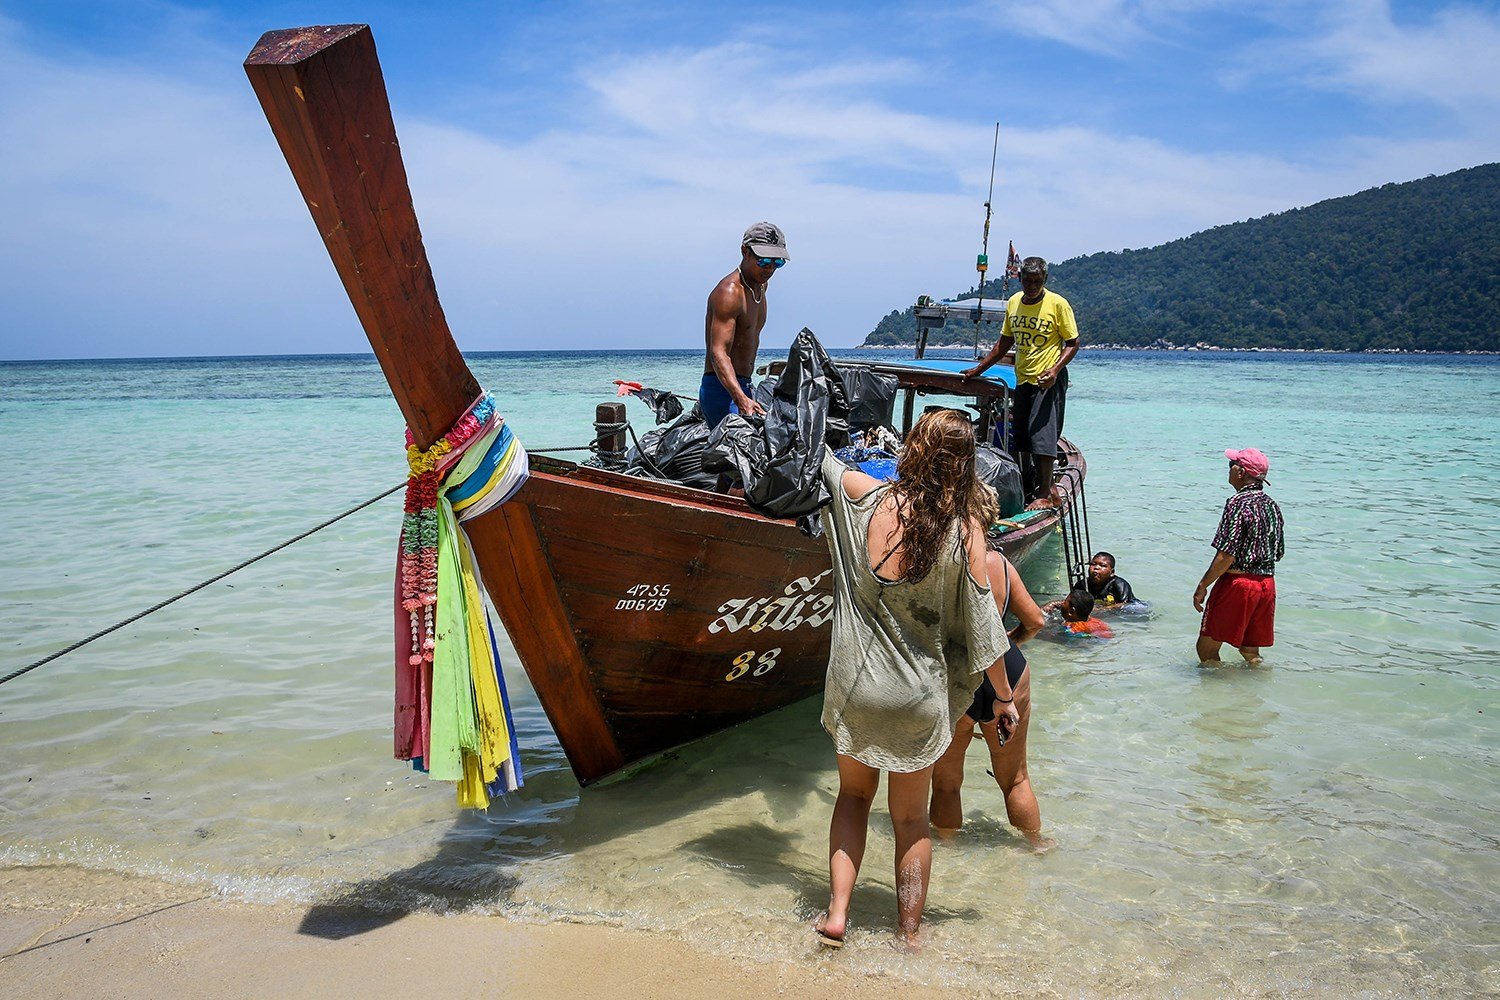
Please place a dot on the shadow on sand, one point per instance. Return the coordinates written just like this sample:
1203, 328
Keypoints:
552, 816
783, 762
776, 862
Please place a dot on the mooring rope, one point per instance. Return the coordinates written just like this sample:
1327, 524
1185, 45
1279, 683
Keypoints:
592, 446
199, 586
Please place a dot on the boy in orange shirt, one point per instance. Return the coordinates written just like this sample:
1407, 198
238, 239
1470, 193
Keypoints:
1077, 610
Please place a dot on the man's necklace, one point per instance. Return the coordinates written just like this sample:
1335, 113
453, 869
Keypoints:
758, 299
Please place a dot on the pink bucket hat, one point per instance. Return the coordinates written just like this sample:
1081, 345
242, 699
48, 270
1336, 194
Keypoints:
1251, 460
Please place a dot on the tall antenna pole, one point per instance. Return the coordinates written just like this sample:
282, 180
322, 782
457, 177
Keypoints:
983, 264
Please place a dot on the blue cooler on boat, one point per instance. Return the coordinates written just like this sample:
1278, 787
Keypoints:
874, 462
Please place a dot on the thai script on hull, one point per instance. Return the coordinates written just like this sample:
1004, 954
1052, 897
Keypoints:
796, 606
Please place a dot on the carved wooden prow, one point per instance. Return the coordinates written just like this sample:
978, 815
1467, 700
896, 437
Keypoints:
324, 95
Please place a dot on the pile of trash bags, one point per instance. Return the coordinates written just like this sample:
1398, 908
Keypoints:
778, 458
674, 453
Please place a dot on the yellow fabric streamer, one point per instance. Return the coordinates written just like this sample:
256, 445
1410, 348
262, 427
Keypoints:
493, 735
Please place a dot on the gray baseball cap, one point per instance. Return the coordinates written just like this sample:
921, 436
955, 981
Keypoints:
766, 239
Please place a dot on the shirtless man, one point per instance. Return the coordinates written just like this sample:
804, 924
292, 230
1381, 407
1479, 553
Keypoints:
736, 315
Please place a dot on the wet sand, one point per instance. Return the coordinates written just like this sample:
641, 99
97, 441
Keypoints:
65, 932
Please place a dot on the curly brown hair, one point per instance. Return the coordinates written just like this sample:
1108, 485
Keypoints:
936, 484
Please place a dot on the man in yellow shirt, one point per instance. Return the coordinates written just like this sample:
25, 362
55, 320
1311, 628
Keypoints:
1040, 325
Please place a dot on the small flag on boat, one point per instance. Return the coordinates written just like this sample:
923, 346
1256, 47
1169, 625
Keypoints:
666, 404
1013, 263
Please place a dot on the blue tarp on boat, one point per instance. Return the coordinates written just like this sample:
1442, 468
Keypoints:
999, 374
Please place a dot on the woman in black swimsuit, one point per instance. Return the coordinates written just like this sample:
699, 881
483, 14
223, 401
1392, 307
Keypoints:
1007, 757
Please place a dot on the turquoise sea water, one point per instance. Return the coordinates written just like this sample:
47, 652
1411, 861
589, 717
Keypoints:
1324, 824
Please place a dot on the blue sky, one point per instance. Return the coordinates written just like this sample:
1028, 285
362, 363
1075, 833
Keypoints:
582, 171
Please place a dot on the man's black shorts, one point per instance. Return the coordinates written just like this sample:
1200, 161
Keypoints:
1038, 416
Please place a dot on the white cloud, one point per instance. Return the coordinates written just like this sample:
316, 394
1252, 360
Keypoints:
152, 213
144, 214
1449, 59
1104, 27
1445, 56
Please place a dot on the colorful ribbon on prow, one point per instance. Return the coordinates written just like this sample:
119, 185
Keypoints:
453, 717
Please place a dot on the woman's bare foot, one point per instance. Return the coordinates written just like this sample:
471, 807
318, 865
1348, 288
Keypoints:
1040, 844
830, 934
908, 942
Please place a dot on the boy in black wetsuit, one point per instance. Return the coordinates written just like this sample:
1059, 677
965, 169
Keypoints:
1108, 590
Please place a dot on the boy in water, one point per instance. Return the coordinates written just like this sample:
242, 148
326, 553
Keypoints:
1113, 591
1077, 611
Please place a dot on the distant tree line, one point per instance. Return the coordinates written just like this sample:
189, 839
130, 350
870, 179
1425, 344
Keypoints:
1412, 266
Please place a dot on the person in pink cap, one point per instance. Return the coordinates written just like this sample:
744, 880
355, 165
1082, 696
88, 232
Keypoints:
1241, 610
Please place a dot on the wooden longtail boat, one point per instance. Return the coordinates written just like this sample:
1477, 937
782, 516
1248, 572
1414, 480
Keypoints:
646, 614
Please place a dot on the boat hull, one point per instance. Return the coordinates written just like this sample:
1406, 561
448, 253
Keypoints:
650, 615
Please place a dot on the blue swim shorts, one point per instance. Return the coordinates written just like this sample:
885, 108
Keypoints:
714, 399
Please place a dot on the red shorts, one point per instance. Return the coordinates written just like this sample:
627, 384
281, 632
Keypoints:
1241, 610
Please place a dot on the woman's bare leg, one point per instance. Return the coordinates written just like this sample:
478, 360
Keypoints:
846, 838
1009, 764
908, 795
947, 810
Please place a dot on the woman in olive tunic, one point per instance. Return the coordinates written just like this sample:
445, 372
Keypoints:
914, 627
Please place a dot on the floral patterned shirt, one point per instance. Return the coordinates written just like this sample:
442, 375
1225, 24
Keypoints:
1251, 530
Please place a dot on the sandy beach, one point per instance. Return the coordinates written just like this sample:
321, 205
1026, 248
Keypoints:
121, 936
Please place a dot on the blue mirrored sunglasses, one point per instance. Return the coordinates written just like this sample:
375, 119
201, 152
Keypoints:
771, 261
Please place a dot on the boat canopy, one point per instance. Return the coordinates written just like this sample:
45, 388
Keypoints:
997, 375
935, 314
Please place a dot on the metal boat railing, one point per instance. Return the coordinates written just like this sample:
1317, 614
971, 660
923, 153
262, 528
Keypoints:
1077, 544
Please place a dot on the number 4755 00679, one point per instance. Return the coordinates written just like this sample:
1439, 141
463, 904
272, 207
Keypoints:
645, 597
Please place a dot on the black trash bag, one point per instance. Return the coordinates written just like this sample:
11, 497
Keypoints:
674, 453
997, 469
869, 396
869, 399
808, 362
737, 447
778, 458
666, 404
764, 390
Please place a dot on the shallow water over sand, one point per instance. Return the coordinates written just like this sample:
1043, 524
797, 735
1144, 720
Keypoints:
1324, 823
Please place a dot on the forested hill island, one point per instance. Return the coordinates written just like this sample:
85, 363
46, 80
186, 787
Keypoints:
1404, 267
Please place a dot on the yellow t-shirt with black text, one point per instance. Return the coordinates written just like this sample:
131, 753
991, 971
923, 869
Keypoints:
1039, 332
